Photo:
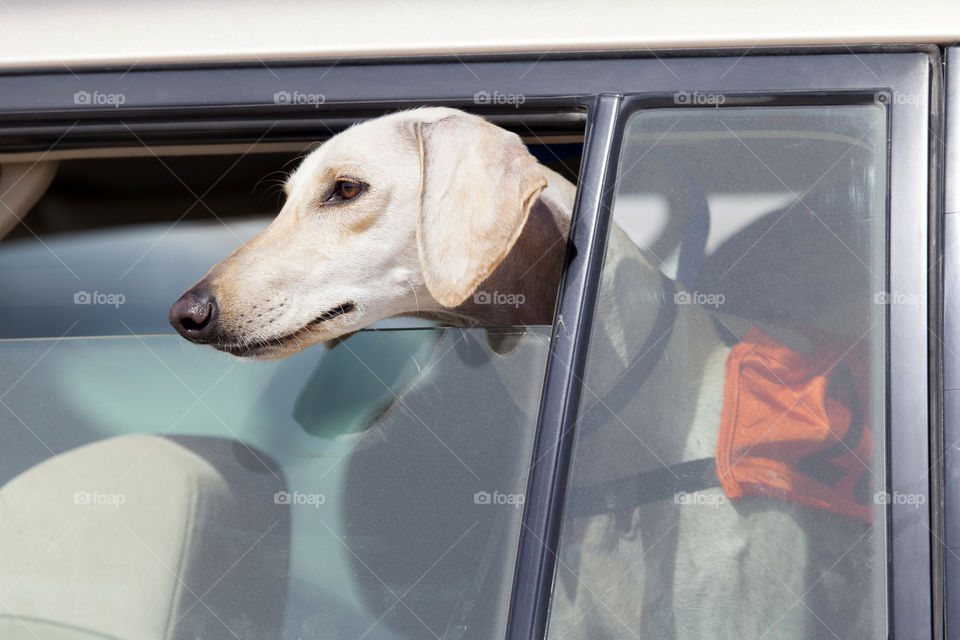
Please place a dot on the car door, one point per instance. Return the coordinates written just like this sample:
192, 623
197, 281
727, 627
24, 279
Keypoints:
425, 480
951, 538
795, 194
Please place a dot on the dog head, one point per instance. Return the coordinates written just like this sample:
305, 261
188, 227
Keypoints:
404, 214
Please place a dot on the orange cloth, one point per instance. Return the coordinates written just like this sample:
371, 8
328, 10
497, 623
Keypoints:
786, 430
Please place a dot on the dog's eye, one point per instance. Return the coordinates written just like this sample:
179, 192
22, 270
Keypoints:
345, 190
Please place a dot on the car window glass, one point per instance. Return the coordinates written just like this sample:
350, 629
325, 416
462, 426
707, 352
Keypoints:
727, 478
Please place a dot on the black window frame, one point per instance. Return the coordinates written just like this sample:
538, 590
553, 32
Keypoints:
201, 103
912, 89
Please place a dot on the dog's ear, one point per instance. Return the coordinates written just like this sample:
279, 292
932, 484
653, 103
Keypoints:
478, 183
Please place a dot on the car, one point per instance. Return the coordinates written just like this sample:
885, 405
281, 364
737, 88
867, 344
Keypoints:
425, 480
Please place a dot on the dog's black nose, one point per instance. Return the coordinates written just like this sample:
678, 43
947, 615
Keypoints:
194, 315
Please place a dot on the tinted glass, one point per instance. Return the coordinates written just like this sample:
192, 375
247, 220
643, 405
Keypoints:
728, 471
369, 491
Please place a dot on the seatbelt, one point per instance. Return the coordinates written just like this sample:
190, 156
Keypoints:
656, 484
646, 487
626, 386
663, 482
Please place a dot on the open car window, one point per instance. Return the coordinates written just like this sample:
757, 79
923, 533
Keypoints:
160, 489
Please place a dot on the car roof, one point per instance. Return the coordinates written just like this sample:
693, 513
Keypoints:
64, 33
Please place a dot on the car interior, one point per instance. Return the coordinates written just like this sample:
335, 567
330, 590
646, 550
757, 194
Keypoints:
274, 495
313, 497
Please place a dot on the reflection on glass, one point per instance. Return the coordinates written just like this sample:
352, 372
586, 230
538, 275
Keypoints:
727, 476
373, 490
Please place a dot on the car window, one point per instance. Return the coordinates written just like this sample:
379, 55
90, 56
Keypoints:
728, 472
369, 490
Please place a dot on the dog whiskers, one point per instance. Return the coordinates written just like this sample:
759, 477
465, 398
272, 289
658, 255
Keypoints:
416, 298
